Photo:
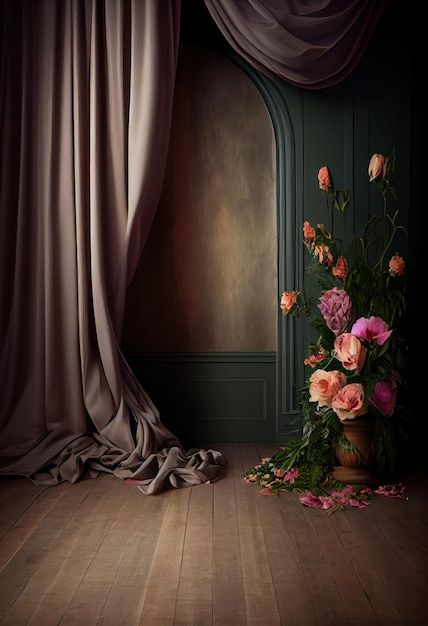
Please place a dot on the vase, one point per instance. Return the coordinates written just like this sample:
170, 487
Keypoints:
356, 464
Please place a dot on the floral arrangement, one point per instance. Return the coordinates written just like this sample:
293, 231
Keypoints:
355, 366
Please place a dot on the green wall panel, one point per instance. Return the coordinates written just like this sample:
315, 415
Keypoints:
212, 396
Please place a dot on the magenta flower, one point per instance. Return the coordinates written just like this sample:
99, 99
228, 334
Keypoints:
336, 308
392, 491
384, 396
358, 504
291, 475
311, 500
327, 502
372, 329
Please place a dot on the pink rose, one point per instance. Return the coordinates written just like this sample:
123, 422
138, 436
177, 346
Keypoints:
340, 270
349, 402
385, 396
372, 329
396, 265
378, 166
325, 385
288, 300
324, 178
336, 308
350, 351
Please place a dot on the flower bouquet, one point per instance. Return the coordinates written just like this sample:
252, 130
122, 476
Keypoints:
355, 365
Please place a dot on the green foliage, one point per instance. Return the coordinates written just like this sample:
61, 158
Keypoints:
375, 289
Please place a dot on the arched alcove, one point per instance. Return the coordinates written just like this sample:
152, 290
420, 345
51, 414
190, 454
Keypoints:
203, 328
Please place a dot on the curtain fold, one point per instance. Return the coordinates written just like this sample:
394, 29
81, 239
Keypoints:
311, 44
86, 103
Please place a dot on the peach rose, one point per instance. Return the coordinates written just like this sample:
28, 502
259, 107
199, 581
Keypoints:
378, 166
324, 255
340, 270
396, 265
325, 385
288, 300
350, 351
309, 235
349, 402
324, 178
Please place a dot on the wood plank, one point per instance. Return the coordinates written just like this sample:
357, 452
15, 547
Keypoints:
17, 496
358, 607
76, 549
22, 567
101, 552
401, 536
409, 597
26, 523
158, 602
123, 604
228, 585
292, 591
324, 595
260, 598
266, 450
194, 603
79, 589
375, 589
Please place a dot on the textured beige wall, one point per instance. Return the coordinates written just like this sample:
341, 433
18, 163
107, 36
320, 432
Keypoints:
207, 278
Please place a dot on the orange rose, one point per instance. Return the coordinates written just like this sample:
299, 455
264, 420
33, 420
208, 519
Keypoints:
350, 351
325, 385
324, 255
396, 265
324, 231
313, 359
340, 270
349, 402
324, 178
378, 166
309, 235
288, 300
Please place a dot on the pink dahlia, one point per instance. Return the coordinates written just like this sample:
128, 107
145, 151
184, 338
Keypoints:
336, 308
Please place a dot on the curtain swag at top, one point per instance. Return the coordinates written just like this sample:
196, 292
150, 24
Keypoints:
311, 43
86, 101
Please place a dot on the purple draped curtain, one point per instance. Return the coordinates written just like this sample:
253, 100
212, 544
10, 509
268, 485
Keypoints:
86, 92
310, 43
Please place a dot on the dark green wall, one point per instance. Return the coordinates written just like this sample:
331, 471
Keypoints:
375, 110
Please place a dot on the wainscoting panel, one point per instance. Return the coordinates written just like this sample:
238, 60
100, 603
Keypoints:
212, 396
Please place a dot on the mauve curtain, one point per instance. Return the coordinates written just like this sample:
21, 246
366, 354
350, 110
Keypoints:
310, 43
86, 91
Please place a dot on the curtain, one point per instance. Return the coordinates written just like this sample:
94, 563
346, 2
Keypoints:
86, 91
312, 44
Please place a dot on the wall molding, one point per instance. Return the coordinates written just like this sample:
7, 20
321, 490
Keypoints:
284, 105
200, 357
227, 396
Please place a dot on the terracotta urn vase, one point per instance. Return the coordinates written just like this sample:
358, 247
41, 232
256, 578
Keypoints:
356, 461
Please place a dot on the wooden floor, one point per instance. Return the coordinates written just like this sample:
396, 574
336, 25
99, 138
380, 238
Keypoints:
99, 552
